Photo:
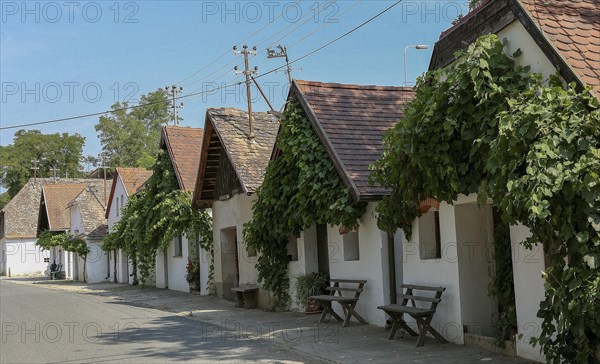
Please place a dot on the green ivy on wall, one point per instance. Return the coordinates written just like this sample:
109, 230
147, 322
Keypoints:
301, 187
155, 216
485, 125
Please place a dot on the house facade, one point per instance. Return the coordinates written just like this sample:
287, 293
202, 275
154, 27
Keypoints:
183, 147
232, 167
88, 223
54, 214
451, 244
350, 122
126, 182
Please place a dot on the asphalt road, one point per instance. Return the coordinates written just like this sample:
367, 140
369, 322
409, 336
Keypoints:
48, 326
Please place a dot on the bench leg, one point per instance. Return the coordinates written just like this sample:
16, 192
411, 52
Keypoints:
424, 324
398, 322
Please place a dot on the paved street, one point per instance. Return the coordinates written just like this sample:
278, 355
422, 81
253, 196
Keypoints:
102, 322
52, 326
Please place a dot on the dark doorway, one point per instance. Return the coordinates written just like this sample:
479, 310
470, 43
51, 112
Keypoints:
322, 249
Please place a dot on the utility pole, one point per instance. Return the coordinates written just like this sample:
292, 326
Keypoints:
35, 168
174, 91
104, 170
281, 54
54, 170
248, 72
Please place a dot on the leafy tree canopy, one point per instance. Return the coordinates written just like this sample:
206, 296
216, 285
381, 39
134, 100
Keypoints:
130, 138
61, 151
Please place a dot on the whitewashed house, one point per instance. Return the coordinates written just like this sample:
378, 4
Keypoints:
126, 182
183, 147
54, 215
350, 121
18, 233
87, 222
232, 167
451, 244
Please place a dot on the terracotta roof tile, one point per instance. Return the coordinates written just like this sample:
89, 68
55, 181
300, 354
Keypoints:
573, 27
133, 178
56, 199
184, 145
91, 205
249, 157
353, 120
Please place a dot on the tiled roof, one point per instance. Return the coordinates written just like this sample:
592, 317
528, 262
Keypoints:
133, 180
56, 199
183, 145
573, 27
249, 157
567, 32
351, 121
91, 204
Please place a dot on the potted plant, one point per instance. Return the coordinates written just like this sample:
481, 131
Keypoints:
193, 275
310, 284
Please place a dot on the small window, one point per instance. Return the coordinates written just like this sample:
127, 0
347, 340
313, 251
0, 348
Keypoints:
351, 250
122, 201
292, 249
250, 251
178, 246
430, 246
46, 260
117, 209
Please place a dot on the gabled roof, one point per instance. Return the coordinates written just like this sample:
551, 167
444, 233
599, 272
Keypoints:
351, 121
91, 206
133, 180
566, 31
183, 145
21, 214
226, 131
55, 202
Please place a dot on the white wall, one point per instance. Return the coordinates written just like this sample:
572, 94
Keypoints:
97, 262
307, 262
474, 230
441, 272
161, 270
115, 215
23, 257
519, 38
372, 266
529, 290
176, 266
232, 214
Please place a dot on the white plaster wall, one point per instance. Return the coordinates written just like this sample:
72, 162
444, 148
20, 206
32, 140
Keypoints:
438, 272
97, 262
176, 266
519, 38
76, 221
23, 257
204, 259
372, 266
307, 262
474, 228
529, 290
113, 217
161, 270
232, 213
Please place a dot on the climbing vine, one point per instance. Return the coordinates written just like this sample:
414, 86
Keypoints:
67, 242
301, 187
155, 216
485, 125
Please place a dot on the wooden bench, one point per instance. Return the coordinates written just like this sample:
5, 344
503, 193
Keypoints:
246, 295
56, 274
347, 302
422, 316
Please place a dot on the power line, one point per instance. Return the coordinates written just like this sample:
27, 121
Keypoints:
239, 43
216, 88
336, 39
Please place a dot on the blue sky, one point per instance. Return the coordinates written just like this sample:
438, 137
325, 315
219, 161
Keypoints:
61, 59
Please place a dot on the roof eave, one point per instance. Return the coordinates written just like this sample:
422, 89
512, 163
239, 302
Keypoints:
333, 156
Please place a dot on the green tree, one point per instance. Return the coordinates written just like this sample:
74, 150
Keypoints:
62, 151
49, 239
130, 138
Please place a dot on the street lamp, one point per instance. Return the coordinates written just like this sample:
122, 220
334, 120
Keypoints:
415, 46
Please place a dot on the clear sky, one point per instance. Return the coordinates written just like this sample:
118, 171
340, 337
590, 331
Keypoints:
67, 58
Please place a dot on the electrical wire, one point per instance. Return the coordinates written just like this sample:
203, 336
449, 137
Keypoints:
215, 89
